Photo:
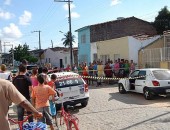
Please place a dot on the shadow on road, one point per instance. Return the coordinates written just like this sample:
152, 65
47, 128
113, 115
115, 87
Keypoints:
136, 98
136, 124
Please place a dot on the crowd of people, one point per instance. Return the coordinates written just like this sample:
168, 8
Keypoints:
33, 94
119, 68
38, 89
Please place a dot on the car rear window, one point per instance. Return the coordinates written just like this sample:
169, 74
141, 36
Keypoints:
162, 74
68, 82
30, 67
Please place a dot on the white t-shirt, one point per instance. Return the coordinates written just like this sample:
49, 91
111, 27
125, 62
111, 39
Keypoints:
5, 75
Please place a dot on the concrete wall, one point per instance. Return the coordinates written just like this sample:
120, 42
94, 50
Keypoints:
55, 57
93, 51
135, 45
84, 48
159, 43
114, 46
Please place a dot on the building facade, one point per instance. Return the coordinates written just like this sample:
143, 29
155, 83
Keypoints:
113, 39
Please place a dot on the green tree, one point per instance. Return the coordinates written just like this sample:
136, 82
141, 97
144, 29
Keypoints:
66, 39
22, 52
162, 21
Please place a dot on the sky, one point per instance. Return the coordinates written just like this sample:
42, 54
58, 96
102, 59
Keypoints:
21, 19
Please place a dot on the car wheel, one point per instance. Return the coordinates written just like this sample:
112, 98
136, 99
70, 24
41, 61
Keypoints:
122, 89
147, 94
84, 104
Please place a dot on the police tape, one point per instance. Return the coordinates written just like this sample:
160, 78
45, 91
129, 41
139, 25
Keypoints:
95, 77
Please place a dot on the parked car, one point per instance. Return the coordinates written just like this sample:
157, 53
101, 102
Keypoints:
30, 67
149, 82
73, 88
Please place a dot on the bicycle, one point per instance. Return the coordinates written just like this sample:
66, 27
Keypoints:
21, 124
67, 120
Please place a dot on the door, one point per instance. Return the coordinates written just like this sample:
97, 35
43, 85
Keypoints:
61, 63
140, 81
132, 78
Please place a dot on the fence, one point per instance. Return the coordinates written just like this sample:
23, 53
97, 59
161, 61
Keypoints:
151, 58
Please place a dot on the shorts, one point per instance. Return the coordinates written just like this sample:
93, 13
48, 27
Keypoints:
52, 108
47, 117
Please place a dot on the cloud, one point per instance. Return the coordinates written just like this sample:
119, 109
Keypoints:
7, 2
65, 6
10, 32
5, 15
115, 2
25, 18
73, 15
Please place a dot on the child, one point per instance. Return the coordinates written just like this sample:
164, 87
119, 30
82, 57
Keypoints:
52, 105
40, 99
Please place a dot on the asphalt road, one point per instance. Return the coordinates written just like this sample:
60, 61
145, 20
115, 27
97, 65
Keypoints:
109, 110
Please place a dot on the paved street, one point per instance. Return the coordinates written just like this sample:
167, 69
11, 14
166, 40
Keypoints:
109, 110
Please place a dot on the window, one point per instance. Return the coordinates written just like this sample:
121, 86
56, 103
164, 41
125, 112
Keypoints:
134, 74
95, 56
162, 74
104, 58
83, 58
49, 61
116, 56
143, 74
83, 38
65, 60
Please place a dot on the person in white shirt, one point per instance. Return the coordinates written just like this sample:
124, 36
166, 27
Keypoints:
4, 74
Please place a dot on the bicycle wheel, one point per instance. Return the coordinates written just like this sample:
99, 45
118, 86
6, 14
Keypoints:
63, 124
73, 125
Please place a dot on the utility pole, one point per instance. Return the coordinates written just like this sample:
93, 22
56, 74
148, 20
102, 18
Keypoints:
39, 44
52, 43
39, 38
12, 51
70, 33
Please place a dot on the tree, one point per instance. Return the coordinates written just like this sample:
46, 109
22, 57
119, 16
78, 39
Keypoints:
162, 21
22, 52
66, 39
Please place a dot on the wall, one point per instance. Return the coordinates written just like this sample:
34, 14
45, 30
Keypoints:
159, 43
55, 57
84, 48
120, 28
114, 46
135, 45
93, 51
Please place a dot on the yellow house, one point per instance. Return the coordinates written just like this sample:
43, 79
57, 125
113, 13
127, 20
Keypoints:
124, 48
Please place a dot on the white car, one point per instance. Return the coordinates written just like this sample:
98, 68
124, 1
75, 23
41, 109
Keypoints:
149, 82
73, 88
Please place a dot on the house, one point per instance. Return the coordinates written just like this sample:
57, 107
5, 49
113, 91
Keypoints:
156, 54
58, 56
37, 54
112, 39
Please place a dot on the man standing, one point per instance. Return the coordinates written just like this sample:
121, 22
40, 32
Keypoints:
9, 93
24, 85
